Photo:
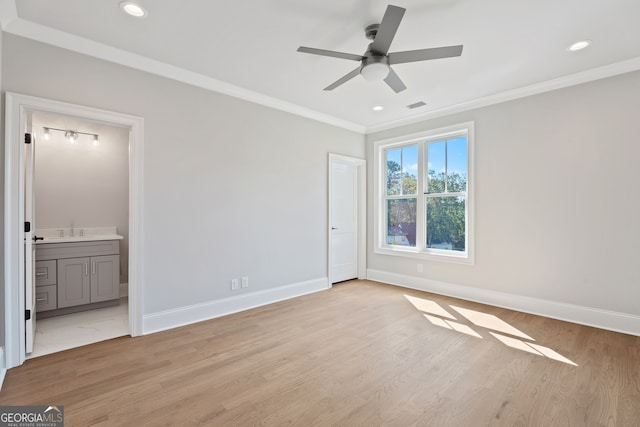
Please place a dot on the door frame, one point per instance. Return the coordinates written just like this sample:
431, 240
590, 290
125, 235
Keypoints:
361, 204
16, 105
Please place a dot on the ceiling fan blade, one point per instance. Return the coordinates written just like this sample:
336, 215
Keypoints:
424, 54
387, 31
394, 82
331, 53
343, 79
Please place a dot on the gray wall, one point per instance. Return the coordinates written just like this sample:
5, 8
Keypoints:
82, 184
2, 198
230, 188
557, 202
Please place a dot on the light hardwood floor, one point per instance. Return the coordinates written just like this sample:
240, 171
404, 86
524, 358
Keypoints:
360, 354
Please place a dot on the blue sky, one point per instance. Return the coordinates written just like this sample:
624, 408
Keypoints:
456, 156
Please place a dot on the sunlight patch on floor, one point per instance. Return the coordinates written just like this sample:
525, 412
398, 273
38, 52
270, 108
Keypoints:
490, 321
430, 307
439, 316
551, 354
515, 343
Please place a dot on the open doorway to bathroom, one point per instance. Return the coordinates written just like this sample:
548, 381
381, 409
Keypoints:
19, 275
81, 194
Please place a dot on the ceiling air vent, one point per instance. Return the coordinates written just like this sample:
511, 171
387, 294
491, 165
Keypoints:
416, 105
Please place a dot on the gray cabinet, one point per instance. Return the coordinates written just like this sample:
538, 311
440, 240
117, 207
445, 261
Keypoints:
81, 275
105, 278
88, 280
46, 298
46, 272
73, 282
46, 286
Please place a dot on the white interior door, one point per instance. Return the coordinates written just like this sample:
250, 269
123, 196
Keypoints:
343, 220
29, 247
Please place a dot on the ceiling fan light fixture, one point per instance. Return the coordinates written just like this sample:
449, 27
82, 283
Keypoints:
378, 108
375, 72
375, 63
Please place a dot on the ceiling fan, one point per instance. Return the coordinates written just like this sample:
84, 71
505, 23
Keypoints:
376, 62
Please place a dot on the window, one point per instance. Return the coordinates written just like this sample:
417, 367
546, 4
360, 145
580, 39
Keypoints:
402, 195
424, 208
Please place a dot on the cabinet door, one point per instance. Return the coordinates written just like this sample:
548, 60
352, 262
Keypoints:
73, 282
105, 278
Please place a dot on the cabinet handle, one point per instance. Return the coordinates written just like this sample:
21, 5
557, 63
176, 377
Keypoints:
93, 268
86, 268
41, 299
41, 274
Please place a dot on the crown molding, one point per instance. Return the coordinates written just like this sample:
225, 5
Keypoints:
521, 92
8, 12
11, 23
51, 36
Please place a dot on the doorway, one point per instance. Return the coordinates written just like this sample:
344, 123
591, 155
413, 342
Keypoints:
347, 218
80, 192
17, 108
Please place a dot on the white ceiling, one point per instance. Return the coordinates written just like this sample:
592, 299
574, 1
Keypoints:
248, 48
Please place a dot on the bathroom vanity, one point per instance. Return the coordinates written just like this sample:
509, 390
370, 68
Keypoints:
77, 273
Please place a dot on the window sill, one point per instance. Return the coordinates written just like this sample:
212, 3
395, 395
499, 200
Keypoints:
456, 258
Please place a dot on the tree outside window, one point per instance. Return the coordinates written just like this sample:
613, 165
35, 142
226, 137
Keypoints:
425, 200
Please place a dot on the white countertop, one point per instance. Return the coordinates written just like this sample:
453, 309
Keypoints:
70, 239
77, 234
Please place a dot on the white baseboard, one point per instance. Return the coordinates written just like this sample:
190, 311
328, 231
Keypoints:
124, 290
174, 318
603, 319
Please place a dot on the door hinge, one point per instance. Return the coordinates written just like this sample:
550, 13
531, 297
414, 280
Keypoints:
27, 138
27, 315
27, 227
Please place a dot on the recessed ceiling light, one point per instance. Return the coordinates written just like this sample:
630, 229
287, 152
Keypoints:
378, 108
133, 9
579, 45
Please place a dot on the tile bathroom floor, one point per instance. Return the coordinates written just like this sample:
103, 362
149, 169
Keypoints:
75, 330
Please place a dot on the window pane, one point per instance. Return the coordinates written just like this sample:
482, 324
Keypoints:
401, 222
446, 223
394, 165
409, 169
402, 170
436, 166
457, 165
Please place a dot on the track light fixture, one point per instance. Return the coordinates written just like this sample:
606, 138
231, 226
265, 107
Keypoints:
71, 135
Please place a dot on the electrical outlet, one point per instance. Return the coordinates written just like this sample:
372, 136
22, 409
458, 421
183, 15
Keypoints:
234, 284
419, 266
245, 281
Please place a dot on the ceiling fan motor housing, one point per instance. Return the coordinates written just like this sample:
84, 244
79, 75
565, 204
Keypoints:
371, 31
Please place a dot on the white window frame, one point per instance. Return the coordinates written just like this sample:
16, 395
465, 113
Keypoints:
420, 250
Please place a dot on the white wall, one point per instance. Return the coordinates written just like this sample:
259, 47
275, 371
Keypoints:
82, 184
557, 202
230, 188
